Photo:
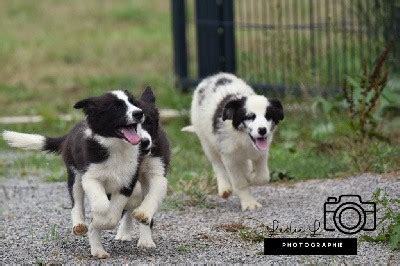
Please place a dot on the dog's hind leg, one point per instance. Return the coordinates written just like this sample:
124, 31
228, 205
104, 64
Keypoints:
125, 228
77, 198
224, 186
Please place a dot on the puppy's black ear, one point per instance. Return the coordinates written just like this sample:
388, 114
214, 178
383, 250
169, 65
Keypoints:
148, 96
277, 110
231, 107
88, 105
85, 103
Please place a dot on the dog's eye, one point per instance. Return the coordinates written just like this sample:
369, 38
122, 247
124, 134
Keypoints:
251, 117
130, 100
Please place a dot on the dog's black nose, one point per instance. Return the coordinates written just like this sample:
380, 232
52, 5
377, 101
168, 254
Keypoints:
138, 115
262, 131
145, 143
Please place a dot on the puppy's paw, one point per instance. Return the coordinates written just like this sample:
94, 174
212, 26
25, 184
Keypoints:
142, 216
100, 253
225, 193
250, 205
80, 229
146, 243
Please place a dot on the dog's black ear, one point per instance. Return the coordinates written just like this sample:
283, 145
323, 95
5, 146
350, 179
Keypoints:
148, 96
277, 112
88, 105
276, 103
231, 107
83, 104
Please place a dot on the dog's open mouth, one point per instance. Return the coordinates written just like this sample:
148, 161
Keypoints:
261, 144
129, 133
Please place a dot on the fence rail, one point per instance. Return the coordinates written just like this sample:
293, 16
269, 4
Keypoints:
283, 45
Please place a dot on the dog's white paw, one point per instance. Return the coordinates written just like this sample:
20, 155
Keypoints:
80, 229
250, 205
145, 242
100, 253
123, 237
142, 216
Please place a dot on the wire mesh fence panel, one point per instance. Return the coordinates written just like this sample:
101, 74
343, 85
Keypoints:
297, 44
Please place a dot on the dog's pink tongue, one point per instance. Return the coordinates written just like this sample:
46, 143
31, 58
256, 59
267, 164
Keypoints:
131, 135
262, 144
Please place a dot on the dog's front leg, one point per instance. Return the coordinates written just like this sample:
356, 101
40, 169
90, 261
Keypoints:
110, 219
157, 189
96, 248
96, 193
237, 172
154, 189
145, 238
261, 171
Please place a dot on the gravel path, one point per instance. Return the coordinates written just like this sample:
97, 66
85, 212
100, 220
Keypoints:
35, 225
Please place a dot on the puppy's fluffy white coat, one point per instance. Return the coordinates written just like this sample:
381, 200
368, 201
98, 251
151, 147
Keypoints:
235, 127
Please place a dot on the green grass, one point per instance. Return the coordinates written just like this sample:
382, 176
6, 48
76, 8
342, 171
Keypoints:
184, 248
54, 53
72, 49
295, 153
337, 154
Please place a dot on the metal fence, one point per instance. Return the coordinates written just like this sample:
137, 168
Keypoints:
283, 45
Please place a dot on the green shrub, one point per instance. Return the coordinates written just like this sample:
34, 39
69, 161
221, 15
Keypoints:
389, 223
363, 98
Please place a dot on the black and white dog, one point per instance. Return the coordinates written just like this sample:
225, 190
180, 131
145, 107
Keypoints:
235, 127
102, 157
154, 158
152, 186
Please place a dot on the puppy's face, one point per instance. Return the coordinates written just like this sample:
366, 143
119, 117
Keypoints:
255, 115
146, 143
151, 121
115, 114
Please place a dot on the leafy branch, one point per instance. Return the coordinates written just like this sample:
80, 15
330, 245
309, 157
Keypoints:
363, 97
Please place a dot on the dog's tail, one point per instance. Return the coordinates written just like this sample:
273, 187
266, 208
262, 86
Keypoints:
33, 141
189, 129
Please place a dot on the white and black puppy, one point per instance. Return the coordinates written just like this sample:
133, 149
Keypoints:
152, 186
235, 127
101, 155
151, 189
